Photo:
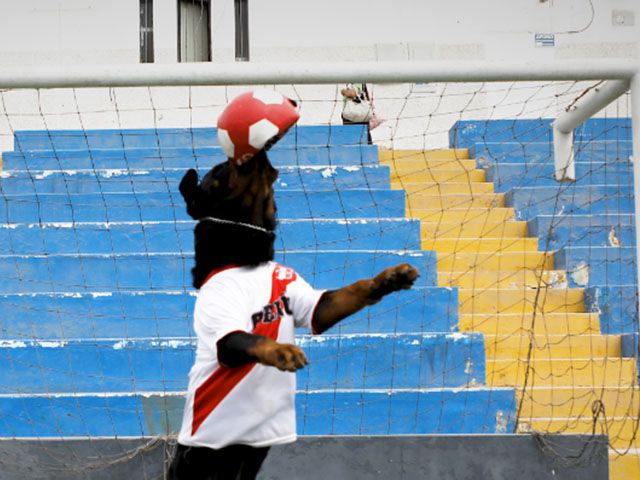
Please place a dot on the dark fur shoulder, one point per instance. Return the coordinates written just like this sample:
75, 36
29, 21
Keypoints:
218, 245
238, 194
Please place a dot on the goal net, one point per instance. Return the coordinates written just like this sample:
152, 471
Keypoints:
524, 319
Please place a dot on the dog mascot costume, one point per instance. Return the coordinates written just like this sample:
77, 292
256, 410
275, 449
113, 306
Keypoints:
241, 394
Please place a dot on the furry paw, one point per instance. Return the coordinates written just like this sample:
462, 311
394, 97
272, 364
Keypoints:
285, 357
400, 277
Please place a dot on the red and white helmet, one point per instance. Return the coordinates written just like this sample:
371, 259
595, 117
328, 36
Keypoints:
253, 121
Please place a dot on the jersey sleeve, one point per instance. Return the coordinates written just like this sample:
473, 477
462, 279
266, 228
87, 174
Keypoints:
303, 299
219, 311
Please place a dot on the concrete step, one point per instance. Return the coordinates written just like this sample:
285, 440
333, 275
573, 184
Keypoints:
572, 401
357, 361
593, 265
200, 158
460, 200
472, 229
571, 200
407, 156
551, 323
500, 244
466, 133
562, 372
60, 140
551, 346
583, 230
465, 261
177, 236
504, 279
506, 176
125, 207
464, 215
332, 412
126, 180
436, 175
142, 271
533, 153
617, 306
622, 431
624, 465
521, 301
140, 314
443, 188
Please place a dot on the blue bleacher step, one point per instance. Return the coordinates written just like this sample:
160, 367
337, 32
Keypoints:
167, 236
370, 412
506, 176
156, 180
170, 314
617, 306
466, 133
534, 153
362, 361
555, 232
201, 158
570, 199
171, 271
593, 266
397, 412
176, 137
125, 207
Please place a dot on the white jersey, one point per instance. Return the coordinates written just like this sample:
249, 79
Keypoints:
252, 404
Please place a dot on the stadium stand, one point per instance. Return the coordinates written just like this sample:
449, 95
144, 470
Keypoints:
504, 332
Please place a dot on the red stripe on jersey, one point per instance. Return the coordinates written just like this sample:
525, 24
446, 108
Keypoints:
281, 277
215, 388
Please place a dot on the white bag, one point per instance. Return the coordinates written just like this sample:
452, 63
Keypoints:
358, 110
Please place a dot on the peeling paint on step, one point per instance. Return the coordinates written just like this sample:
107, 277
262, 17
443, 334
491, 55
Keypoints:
580, 274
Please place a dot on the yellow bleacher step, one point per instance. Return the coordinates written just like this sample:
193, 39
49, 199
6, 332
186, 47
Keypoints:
626, 466
520, 300
573, 401
560, 323
439, 188
502, 279
453, 200
411, 164
387, 155
433, 230
620, 430
438, 175
552, 346
485, 244
465, 261
464, 215
556, 372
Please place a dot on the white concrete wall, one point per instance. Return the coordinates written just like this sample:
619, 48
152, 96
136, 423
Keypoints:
48, 32
98, 31
428, 29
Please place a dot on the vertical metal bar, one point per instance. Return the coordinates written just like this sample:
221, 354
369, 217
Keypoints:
635, 134
146, 31
582, 110
242, 30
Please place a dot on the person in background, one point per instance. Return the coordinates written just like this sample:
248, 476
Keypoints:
356, 92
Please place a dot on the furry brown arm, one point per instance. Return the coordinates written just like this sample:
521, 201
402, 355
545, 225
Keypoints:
239, 348
336, 305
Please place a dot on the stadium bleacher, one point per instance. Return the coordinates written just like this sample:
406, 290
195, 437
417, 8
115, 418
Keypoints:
97, 298
526, 284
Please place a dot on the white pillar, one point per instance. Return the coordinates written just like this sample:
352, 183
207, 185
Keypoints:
635, 133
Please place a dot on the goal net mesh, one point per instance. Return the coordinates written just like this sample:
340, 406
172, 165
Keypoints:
524, 319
